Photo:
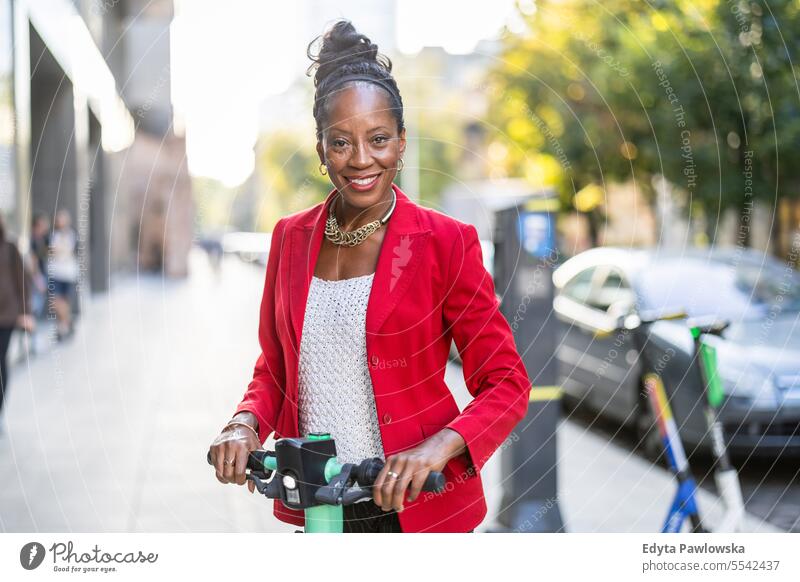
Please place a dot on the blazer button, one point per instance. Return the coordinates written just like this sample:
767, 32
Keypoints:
387, 418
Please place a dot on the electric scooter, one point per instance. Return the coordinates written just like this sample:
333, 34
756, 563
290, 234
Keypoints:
308, 476
684, 505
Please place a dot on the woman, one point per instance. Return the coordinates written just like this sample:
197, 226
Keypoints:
62, 270
363, 295
14, 303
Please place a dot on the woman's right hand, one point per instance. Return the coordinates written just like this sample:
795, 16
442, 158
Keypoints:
233, 444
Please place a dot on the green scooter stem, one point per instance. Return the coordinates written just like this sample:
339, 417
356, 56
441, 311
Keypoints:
320, 518
715, 396
725, 474
326, 518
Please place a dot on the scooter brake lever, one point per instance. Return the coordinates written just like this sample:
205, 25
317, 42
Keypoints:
354, 494
261, 484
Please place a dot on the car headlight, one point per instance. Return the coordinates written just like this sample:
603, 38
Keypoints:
752, 383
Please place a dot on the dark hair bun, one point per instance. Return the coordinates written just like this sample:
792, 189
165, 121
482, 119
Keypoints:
343, 47
343, 56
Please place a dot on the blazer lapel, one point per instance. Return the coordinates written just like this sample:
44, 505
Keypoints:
306, 241
402, 249
401, 252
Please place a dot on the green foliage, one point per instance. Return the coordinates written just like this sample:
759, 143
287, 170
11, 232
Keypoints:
625, 89
289, 169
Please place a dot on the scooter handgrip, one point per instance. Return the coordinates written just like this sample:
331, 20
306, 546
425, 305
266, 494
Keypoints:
435, 482
368, 470
255, 461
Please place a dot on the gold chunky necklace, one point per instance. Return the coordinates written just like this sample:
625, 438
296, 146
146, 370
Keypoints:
353, 237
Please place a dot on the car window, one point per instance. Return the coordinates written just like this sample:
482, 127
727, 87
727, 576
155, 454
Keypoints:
613, 290
733, 289
579, 287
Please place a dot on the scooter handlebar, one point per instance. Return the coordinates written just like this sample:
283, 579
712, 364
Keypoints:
369, 469
255, 460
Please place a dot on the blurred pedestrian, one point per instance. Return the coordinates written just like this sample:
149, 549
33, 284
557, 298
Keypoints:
37, 263
14, 303
62, 270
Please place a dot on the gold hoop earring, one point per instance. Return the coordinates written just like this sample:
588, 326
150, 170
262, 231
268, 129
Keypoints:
321, 166
400, 165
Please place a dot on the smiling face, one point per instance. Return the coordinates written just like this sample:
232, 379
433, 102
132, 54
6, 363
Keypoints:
361, 145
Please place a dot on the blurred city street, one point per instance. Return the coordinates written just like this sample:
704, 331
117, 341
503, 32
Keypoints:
619, 168
109, 432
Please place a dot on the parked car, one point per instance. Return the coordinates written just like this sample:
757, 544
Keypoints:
758, 355
250, 247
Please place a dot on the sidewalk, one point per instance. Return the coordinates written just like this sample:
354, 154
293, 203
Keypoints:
109, 432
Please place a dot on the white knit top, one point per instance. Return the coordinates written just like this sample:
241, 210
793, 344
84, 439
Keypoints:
335, 392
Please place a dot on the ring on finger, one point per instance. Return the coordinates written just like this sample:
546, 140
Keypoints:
393, 474
228, 462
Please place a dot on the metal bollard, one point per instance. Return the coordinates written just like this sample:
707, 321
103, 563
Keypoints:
530, 476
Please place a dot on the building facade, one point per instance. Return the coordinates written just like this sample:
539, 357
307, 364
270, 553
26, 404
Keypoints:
83, 84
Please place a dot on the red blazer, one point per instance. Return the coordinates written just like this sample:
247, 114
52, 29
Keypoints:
430, 287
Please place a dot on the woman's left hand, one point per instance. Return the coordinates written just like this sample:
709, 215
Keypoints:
406, 472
